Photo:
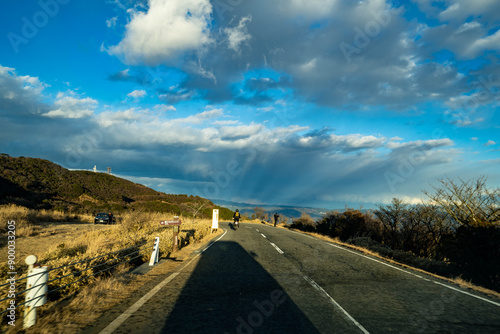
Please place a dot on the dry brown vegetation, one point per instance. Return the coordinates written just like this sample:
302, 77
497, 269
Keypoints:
456, 234
134, 228
27, 219
71, 316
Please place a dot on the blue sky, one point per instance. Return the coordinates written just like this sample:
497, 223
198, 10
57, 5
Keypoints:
319, 103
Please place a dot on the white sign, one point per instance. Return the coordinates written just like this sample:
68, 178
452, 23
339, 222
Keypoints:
215, 219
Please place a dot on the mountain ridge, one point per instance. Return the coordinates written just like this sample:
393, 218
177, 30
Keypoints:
41, 184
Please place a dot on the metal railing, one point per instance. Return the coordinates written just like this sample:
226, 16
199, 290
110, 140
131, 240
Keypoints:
34, 280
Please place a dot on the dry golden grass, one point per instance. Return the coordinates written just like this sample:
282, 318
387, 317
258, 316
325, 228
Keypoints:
26, 219
20, 215
136, 228
92, 301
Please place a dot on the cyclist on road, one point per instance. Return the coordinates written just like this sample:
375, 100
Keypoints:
236, 217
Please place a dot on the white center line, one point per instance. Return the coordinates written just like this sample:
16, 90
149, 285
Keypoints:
343, 312
277, 248
263, 235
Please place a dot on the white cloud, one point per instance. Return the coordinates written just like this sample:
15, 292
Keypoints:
226, 122
238, 35
26, 82
488, 43
355, 141
202, 117
70, 106
137, 94
6, 70
463, 118
196, 67
111, 23
109, 118
164, 108
312, 9
490, 143
385, 198
421, 144
309, 66
167, 30
21, 94
239, 132
468, 26
468, 29
466, 121
177, 96
458, 10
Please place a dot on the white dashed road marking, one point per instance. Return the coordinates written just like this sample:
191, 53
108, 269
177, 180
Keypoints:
277, 248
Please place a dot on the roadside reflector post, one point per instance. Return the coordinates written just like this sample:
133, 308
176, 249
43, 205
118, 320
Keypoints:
37, 290
215, 220
156, 251
176, 223
176, 238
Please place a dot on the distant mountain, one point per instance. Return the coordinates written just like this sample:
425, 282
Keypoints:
41, 184
283, 210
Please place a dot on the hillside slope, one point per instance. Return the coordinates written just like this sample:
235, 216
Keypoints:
41, 184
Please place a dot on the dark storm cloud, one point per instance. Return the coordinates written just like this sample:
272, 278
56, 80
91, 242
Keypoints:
381, 65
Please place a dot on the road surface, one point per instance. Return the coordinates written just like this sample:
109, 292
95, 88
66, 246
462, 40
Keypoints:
261, 279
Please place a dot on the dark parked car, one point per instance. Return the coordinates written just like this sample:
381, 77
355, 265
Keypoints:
104, 218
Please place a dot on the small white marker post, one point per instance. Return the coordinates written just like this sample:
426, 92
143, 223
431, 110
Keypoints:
215, 220
156, 251
37, 296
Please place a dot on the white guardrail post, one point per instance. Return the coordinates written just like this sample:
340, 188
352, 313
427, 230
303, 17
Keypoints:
37, 290
156, 251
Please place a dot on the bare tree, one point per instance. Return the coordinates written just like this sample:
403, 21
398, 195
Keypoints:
259, 213
392, 217
469, 203
195, 207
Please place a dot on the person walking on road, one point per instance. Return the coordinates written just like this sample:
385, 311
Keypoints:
276, 216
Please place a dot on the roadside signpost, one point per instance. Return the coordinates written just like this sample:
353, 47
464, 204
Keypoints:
176, 223
215, 220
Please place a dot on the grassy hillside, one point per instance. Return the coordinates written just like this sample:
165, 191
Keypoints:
41, 184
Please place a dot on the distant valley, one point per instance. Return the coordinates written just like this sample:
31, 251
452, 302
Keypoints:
283, 210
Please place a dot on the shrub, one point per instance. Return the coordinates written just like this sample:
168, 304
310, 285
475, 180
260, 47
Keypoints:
21, 215
304, 223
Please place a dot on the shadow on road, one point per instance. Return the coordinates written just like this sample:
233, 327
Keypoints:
229, 292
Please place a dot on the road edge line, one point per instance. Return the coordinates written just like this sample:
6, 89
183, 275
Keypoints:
400, 269
138, 304
344, 313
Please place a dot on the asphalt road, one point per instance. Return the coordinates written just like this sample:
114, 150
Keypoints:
261, 279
